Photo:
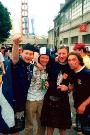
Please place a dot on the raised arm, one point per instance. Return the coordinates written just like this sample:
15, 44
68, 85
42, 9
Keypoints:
15, 49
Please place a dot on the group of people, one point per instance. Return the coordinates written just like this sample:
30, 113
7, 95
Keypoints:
39, 89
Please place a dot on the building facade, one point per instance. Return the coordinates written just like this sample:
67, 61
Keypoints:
51, 38
72, 24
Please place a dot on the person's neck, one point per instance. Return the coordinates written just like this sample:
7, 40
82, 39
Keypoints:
44, 67
41, 67
79, 68
83, 54
64, 63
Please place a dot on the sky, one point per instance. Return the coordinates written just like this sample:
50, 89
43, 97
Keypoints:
42, 11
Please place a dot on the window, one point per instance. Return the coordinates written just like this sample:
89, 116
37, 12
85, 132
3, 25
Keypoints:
73, 11
86, 38
86, 6
68, 15
76, 9
58, 31
65, 40
74, 39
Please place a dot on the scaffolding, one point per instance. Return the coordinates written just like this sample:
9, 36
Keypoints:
24, 17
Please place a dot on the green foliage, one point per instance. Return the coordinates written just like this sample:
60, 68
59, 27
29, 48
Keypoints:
5, 23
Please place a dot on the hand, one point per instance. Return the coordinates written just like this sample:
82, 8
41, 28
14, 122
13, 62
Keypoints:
3, 72
63, 87
39, 66
81, 108
46, 84
17, 39
56, 59
71, 87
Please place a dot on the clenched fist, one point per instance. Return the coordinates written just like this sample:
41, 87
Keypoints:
17, 39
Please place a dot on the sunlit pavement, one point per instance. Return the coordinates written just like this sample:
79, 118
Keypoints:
68, 132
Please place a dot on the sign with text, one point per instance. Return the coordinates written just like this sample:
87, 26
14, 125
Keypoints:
83, 27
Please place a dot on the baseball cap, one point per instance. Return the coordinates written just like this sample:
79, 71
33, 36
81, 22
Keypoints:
79, 46
44, 50
30, 47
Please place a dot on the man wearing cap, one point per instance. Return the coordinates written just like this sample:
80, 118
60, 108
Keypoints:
81, 49
36, 94
22, 69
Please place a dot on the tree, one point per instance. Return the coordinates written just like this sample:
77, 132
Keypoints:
5, 23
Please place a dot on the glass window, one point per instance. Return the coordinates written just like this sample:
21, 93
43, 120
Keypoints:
65, 40
76, 9
86, 6
73, 11
74, 39
68, 15
86, 38
58, 31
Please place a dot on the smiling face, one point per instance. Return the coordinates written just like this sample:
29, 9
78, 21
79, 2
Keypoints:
62, 55
74, 62
44, 59
27, 55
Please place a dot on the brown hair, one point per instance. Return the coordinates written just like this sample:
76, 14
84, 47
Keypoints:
64, 46
78, 56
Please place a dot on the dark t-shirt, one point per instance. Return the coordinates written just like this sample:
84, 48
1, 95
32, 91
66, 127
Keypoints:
82, 88
56, 108
21, 74
53, 71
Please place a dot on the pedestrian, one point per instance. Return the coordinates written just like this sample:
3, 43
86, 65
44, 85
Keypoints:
2, 68
56, 108
2, 49
81, 92
82, 50
6, 58
36, 94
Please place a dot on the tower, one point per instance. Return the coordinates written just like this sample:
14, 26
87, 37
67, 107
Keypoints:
24, 17
32, 24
